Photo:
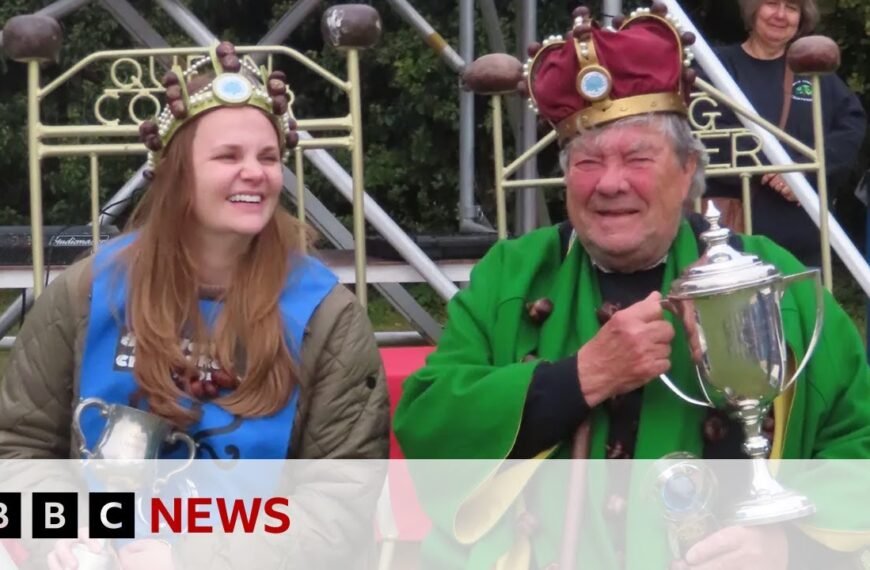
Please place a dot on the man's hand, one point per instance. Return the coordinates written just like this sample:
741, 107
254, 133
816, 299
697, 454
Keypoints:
631, 349
146, 554
739, 548
779, 185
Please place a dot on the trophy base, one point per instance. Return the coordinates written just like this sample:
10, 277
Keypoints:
779, 507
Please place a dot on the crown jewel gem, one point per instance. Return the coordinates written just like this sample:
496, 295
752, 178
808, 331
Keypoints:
232, 88
594, 85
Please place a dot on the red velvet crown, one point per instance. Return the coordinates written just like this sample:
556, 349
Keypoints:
601, 75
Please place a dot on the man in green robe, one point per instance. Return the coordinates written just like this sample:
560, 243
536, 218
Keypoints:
554, 349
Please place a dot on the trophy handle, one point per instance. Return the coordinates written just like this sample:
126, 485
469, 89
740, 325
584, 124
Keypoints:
820, 309
77, 422
680, 393
673, 305
174, 437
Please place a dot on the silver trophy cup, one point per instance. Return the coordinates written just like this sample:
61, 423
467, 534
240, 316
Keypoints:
130, 439
729, 303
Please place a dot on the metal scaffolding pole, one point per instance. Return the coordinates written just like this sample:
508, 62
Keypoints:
289, 22
57, 10
123, 198
432, 38
609, 9
492, 27
496, 43
332, 229
134, 23
527, 198
14, 312
469, 211
466, 117
188, 22
382, 221
333, 171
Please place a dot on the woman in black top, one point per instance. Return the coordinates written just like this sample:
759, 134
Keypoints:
758, 66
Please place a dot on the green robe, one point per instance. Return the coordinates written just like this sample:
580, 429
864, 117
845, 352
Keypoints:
467, 401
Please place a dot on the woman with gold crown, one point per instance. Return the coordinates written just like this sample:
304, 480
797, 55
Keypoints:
208, 312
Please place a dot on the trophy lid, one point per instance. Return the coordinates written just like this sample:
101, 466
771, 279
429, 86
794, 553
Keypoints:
721, 268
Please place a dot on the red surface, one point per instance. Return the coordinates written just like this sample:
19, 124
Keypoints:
400, 363
411, 522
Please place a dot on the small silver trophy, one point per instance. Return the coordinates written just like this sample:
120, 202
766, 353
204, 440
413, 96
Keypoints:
131, 439
729, 303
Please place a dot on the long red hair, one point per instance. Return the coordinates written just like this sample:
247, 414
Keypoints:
164, 292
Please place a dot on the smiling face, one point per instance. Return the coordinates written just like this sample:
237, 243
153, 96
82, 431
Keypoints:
776, 22
237, 173
625, 193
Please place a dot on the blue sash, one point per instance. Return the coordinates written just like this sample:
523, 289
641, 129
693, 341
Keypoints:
107, 363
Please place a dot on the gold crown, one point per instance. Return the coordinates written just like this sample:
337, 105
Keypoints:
220, 79
598, 75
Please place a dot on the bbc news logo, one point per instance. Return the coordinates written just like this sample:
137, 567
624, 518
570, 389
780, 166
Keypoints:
113, 515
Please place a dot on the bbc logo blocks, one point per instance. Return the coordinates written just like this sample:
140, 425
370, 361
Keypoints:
55, 515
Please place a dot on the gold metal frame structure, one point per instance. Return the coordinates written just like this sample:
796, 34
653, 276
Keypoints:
137, 82
704, 125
